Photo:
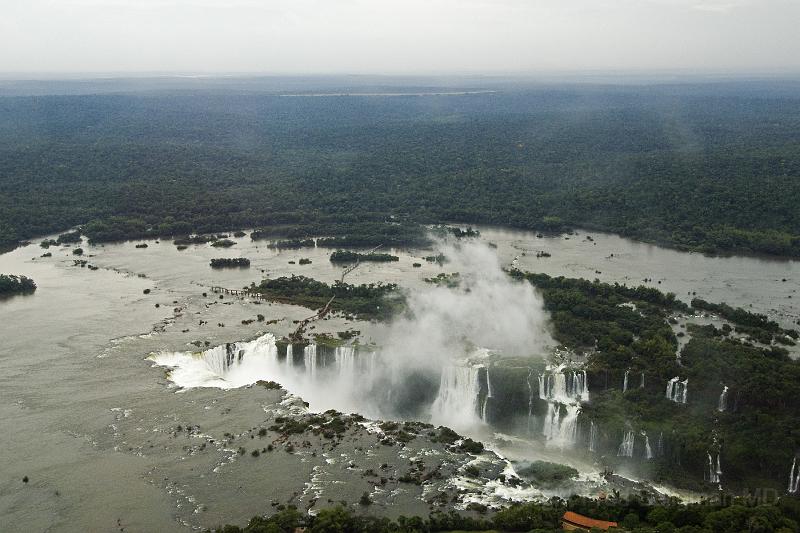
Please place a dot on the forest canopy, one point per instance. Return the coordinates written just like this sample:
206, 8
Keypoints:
709, 167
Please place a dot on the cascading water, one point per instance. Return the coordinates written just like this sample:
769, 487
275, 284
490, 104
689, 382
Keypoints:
563, 393
648, 452
345, 359
226, 366
641, 382
310, 361
563, 387
488, 397
592, 437
456, 403
794, 478
625, 382
723, 400
714, 470
626, 447
660, 444
677, 390
289, 357
530, 402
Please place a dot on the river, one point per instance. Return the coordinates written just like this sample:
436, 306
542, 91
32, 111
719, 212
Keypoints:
91, 422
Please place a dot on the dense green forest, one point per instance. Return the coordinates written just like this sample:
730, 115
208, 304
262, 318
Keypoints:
626, 329
226, 262
637, 515
346, 256
711, 167
375, 301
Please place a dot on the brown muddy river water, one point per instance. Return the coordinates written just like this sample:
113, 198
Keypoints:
109, 442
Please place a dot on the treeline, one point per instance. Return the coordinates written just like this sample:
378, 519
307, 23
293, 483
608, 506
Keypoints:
238, 262
374, 301
13, 284
754, 324
682, 165
346, 256
634, 515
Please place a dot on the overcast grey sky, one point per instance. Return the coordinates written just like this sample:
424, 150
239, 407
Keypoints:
397, 36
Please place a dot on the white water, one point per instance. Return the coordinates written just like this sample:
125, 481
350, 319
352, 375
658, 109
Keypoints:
592, 437
310, 361
456, 403
245, 363
625, 382
559, 386
489, 396
563, 393
641, 383
723, 400
794, 478
648, 452
530, 402
677, 390
227, 366
714, 472
626, 447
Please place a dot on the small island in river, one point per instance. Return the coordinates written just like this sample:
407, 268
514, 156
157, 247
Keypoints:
11, 284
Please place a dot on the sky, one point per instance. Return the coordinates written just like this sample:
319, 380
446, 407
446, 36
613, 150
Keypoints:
397, 36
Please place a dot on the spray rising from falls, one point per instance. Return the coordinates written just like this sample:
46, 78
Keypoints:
433, 342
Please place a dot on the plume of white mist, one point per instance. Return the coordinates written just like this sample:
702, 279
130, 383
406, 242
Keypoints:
488, 310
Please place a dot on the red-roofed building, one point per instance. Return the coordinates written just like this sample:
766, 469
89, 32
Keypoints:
576, 522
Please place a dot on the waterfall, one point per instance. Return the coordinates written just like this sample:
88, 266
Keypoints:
626, 447
582, 389
641, 383
345, 360
563, 387
489, 396
625, 382
794, 479
530, 402
456, 403
310, 361
289, 357
592, 437
723, 400
660, 445
648, 453
563, 392
543, 383
677, 390
561, 430
714, 472
226, 366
